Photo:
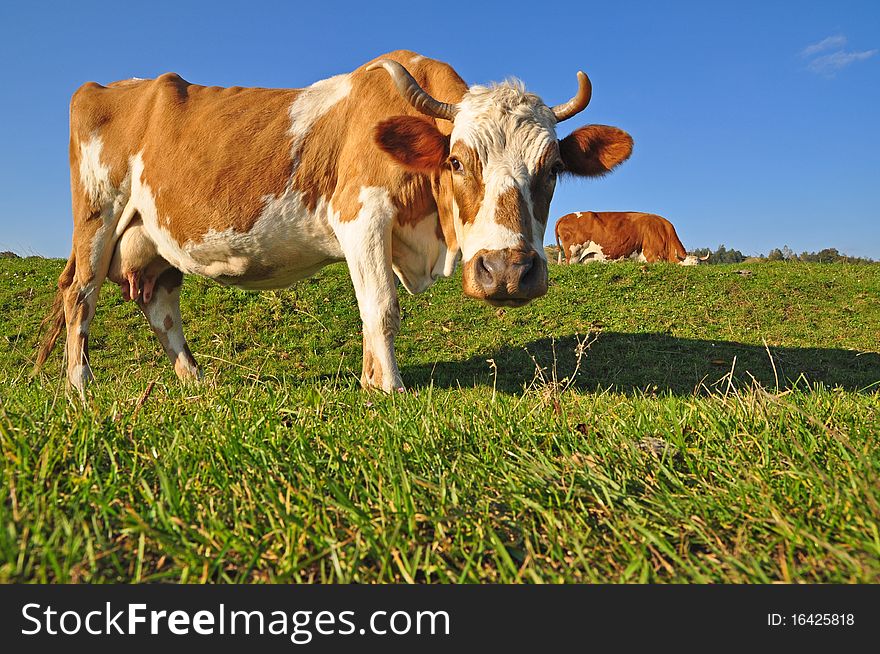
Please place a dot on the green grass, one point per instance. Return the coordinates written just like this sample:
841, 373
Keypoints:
717, 428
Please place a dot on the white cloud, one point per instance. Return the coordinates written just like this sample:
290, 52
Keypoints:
829, 64
835, 41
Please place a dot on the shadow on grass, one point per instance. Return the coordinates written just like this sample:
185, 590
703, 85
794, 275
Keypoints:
656, 362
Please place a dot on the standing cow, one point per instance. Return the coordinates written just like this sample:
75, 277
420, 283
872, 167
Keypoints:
611, 235
398, 168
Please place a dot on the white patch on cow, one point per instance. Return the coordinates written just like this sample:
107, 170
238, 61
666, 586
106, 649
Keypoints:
142, 200
638, 256
286, 243
416, 59
165, 306
418, 257
367, 232
109, 200
587, 252
100, 254
94, 175
312, 103
366, 242
448, 263
538, 239
689, 260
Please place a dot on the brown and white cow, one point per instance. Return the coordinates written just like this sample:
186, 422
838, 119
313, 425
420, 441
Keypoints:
398, 168
588, 236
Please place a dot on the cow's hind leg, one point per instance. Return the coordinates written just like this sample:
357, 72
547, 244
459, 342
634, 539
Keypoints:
163, 313
80, 285
79, 309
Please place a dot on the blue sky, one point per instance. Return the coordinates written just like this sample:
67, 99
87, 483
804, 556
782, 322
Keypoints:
756, 124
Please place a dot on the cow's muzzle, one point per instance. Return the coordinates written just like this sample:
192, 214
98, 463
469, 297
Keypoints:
505, 277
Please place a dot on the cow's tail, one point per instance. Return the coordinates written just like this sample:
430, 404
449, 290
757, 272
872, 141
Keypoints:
558, 247
54, 322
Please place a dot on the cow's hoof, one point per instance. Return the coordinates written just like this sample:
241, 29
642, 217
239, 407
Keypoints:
186, 370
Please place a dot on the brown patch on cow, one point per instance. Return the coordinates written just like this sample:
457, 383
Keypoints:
594, 150
414, 200
441, 187
512, 211
620, 234
542, 194
468, 188
169, 323
542, 185
372, 372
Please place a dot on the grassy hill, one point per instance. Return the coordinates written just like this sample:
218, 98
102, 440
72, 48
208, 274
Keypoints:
640, 423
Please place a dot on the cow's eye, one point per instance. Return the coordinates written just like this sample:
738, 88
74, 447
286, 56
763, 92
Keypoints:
456, 165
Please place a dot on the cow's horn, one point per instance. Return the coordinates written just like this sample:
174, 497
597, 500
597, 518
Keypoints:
409, 88
578, 103
706, 258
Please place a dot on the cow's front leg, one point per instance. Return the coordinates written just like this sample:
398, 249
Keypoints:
381, 324
366, 243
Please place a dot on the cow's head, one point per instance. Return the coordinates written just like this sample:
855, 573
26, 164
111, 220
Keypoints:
691, 259
496, 173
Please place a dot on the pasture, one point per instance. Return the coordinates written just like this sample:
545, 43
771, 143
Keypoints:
639, 423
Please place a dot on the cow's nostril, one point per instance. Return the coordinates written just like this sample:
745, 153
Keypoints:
527, 269
485, 276
494, 265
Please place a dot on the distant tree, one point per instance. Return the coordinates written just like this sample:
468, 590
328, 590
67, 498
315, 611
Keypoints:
828, 255
720, 255
809, 257
723, 255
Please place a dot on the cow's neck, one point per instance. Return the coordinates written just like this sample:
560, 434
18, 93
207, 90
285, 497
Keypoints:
424, 244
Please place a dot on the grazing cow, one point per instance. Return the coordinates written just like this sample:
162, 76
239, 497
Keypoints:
611, 235
398, 168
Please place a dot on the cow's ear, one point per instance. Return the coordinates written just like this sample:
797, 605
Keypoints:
594, 150
413, 142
